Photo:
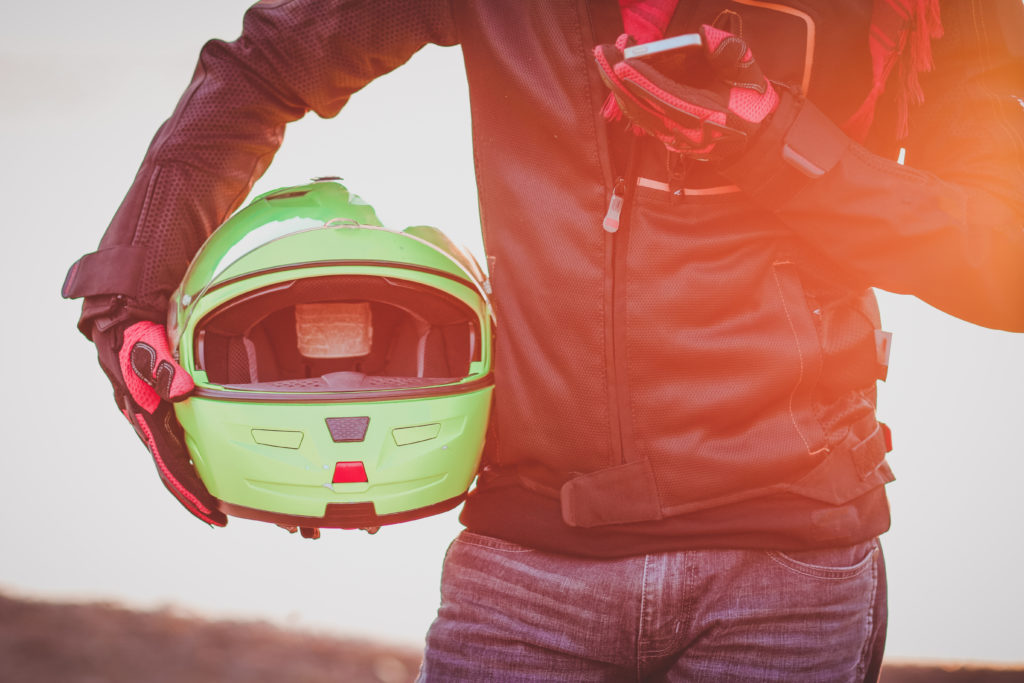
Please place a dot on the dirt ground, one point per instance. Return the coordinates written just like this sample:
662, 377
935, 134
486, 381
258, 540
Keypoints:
43, 642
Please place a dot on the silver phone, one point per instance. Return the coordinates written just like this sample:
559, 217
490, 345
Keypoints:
687, 40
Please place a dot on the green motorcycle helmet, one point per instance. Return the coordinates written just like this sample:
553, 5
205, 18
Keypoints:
343, 369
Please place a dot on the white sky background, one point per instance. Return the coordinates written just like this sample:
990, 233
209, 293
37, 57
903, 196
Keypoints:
84, 86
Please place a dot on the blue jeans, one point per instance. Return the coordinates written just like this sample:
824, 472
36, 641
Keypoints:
511, 613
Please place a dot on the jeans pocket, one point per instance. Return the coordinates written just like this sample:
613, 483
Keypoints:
829, 563
499, 544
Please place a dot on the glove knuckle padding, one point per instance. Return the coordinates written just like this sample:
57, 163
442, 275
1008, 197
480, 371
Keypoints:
149, 371
143, 359
155, 372
730, 56
141, 392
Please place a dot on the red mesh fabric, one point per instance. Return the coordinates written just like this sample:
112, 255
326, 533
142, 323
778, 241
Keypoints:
752, 105
713, 37
731, 59
153, 336
646, 20
627, 72
653, 98
695, 134
752, 98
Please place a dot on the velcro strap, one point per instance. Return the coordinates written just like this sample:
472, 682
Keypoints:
883, 347
108, 271
814, 144
869, 454
614, 495
887, 435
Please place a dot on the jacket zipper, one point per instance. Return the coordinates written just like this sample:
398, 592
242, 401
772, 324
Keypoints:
616, 228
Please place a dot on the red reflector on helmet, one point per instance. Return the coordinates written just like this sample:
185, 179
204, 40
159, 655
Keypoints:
349, 473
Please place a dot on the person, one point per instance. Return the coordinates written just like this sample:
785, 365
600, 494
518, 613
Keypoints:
684, 477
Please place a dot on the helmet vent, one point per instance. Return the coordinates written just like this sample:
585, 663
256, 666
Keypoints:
348, 429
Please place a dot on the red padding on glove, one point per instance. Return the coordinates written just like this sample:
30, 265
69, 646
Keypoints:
147, 365
626, 72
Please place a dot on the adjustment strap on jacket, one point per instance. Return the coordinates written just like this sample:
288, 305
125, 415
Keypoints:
799, 146
814, 144
615, 495
853, 467
116, 270
883, 348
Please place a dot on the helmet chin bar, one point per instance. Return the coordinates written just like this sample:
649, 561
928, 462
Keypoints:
340, 516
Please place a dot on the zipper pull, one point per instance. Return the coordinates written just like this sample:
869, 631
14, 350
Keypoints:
676, 164
614, 213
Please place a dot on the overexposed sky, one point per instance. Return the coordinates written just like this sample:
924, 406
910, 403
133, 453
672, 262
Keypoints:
84, 88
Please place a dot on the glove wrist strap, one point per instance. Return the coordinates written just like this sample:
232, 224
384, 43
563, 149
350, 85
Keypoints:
798, 145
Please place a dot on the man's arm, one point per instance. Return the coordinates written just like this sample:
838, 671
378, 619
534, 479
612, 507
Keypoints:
293, 56
949, 226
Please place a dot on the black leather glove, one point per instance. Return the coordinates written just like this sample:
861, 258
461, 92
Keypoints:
702, 103
147, 380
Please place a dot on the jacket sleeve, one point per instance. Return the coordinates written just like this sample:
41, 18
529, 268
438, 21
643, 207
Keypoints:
293, 56
948, 226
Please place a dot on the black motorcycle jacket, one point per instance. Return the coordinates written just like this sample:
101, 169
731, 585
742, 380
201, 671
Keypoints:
704, 375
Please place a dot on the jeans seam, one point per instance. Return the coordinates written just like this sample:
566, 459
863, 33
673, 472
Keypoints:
640, 620
824, 573
502, 548
870, 618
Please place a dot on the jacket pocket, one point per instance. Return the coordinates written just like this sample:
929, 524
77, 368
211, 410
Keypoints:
807, 346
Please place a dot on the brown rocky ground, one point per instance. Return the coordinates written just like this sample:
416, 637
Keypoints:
43, 642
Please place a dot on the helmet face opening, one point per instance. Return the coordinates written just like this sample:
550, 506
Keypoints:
338, 333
